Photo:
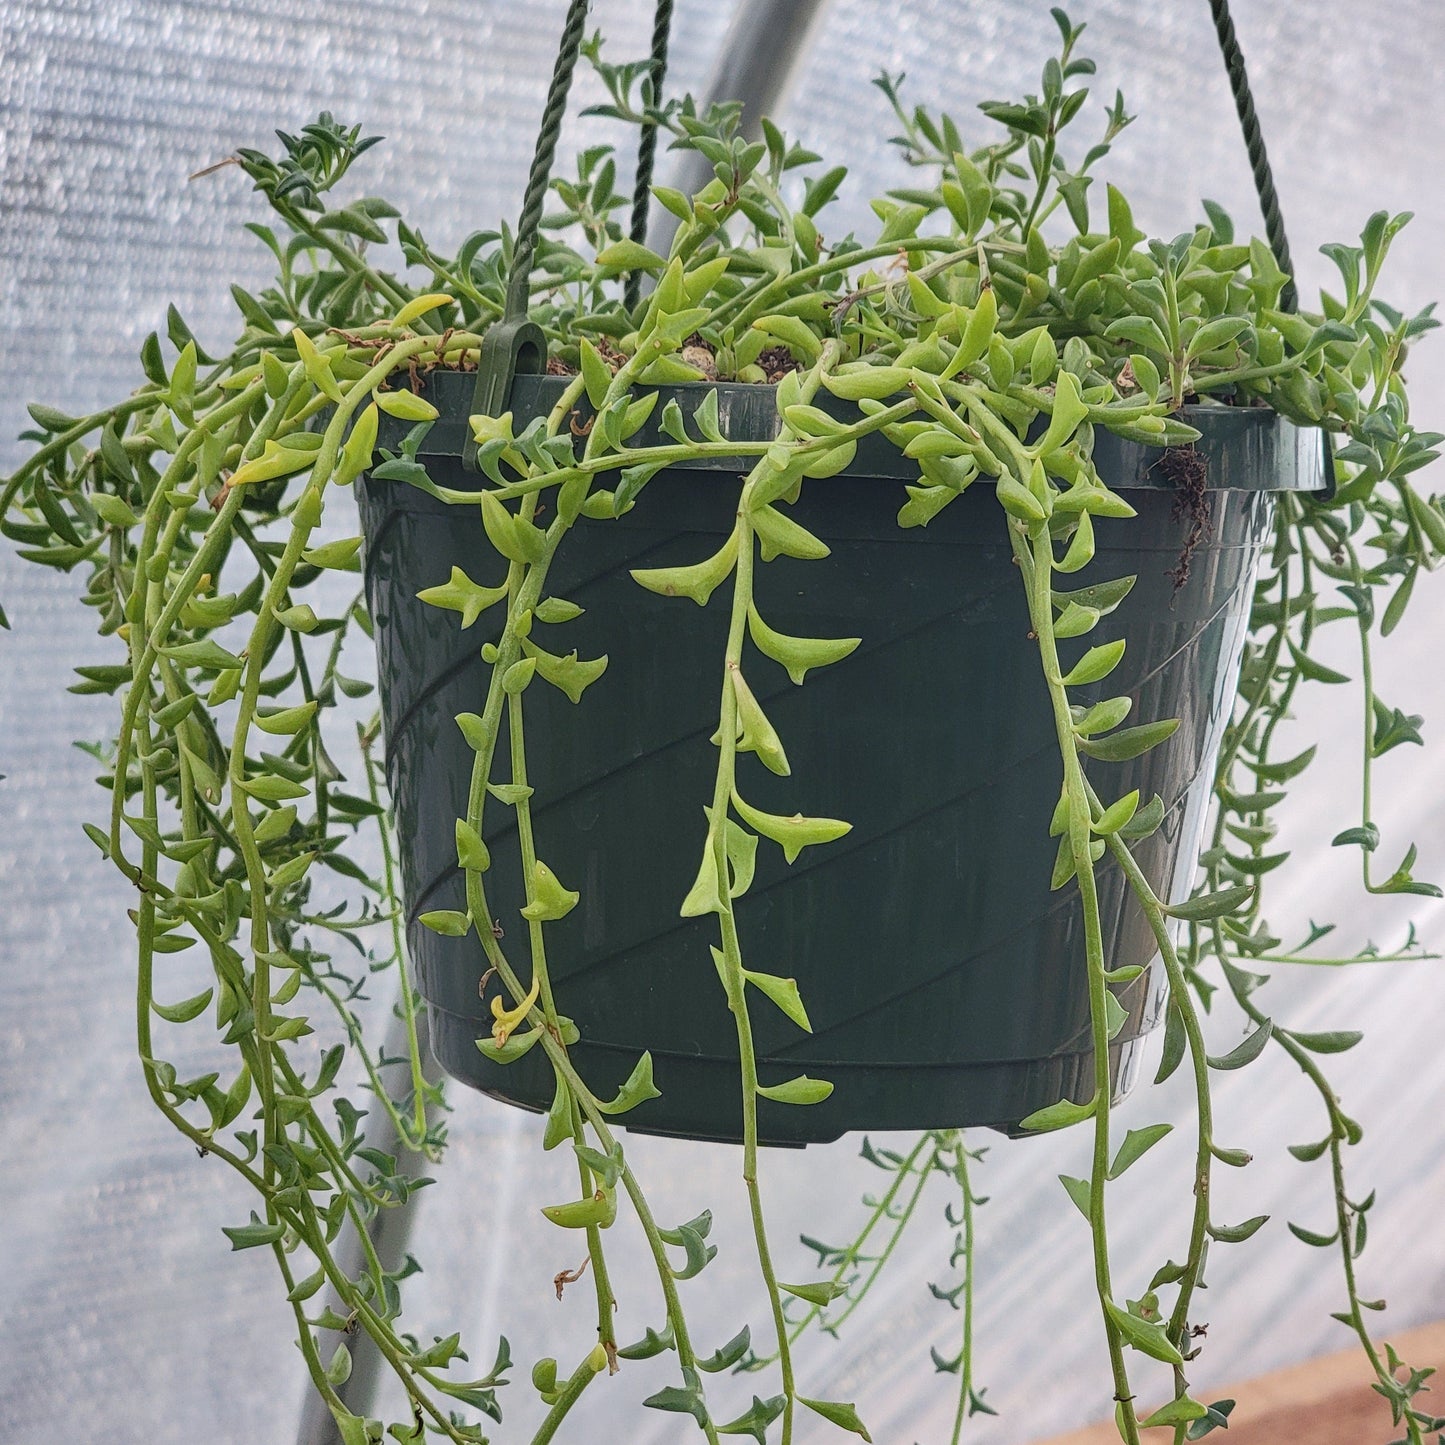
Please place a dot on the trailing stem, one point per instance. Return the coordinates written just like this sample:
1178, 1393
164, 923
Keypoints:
1036, 562
968, 1402
1181, 999
732, 967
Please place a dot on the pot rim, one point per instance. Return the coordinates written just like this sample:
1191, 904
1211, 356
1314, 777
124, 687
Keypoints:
1245, 448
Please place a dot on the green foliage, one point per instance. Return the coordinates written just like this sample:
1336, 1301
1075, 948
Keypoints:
1000, 316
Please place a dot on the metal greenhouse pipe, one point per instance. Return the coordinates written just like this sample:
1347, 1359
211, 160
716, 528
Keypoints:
755, 65
390, 1231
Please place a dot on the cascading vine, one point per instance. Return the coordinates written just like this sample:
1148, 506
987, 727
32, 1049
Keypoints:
963, 338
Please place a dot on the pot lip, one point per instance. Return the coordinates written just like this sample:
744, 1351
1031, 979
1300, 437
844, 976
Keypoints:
1245, 449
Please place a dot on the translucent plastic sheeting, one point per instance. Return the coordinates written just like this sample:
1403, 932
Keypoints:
123, 1313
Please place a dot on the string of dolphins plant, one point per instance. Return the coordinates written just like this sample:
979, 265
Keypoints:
961, 333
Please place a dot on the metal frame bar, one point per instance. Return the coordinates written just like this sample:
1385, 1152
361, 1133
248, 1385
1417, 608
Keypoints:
755, 65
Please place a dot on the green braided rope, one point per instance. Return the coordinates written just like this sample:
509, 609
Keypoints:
647, 145
529, 224
1263, 185
1254, 144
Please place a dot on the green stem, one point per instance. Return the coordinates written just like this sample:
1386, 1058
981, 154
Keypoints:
375, 1326
306, 1341
731, 948
62, 443
1367, 692
965, 1367
1178, 366
731, 967
1400, 956
256, 654
145, 643
1218, 380
857, 1295
356, 1037
606, 1300
1182, 1000
1344, 1213
419, 1087
851, 1255
1037, 565
347, 1180
348, 259
525, 591
581, 1377
754, 302
667, 455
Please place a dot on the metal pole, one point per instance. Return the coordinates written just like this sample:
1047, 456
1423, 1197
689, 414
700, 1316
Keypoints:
390, 1229
755, 66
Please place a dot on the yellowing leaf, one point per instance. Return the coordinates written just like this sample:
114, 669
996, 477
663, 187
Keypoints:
502, 530
405, 406
704, 896
356, 453
318, 367
596, 374
419, 306
875, 382
507, 1019
599, 1211
340, 554
274, 461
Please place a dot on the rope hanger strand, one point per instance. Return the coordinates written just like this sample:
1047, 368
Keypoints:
540, 176
647, 145
1254, 145
514, 343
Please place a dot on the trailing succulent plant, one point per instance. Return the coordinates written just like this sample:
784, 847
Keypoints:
1004, 311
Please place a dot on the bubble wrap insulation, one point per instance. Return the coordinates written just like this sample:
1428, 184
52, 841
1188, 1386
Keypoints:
123, 1315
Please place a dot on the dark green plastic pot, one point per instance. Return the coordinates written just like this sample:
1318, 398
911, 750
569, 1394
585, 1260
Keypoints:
945, 981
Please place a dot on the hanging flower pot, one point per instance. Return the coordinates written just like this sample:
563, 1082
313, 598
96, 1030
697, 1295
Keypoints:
944, 978
866, 619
